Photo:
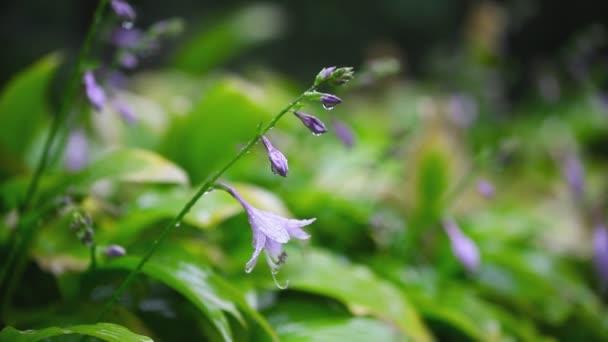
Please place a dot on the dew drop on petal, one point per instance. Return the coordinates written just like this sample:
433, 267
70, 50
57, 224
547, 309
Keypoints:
127, 25
248, 269
328, 106
316, 134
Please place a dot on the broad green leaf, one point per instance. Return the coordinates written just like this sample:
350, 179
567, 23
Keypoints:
248, 27
105, 331
356, 286
200, 285
23, 111
225, 119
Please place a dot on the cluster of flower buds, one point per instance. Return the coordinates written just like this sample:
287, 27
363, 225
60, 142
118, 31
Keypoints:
82, 226
334, 76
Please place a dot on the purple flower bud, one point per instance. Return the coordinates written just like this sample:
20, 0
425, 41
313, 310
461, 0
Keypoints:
123, 9
600, 254
77, 151
344, 133
278, 162
94, 91
114, 251
312, 123
329, 101
334, 76
124, 110
486, 189
126, 38
128, 60
574, 173
324, 75
463, 248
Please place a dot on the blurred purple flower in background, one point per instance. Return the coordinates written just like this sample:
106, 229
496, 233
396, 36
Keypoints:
344, 133
94, 91
486, 189
270, 232
462, 110
123, 9
600, 254
278, 162
574, 172
315, 125
77, 151
114, 251
463, 248
124, 110
126, 38
129, 60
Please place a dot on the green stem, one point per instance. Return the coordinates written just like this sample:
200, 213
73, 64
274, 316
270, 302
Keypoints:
203, 189
56, 123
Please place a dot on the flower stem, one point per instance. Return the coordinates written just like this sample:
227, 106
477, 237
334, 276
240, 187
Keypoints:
208, 185
15, 244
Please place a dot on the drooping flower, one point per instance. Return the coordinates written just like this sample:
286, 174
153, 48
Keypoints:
463, 248
600, 254
344, 133
270, 232
486, 189
114, 251
278, 162
315, 125
77, 151
94, 91
123, 9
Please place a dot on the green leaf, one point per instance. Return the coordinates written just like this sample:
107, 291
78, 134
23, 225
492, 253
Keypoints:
246, 28
210, 293
105, 331
212, 132
23, 111
356, 286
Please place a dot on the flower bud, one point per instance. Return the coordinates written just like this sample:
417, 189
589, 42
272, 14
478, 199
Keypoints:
278, 162
94, 91
329, 101
334, 76
123, 9
312, 123
114, 251
463, 248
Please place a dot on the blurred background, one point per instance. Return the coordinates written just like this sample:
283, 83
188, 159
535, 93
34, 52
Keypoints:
463, 176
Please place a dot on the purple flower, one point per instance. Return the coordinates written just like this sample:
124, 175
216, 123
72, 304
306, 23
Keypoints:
123, 9
600, 254
126, 38
574, 173
329, 101
94, 91
462, 109
278, 162
114, 251
486, 189
344, 133
124, 110
463, 248
128, 60
334, 76
77, 151
314, 125
270, 232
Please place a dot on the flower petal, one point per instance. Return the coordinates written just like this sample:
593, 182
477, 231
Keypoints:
273, 248
273, 226
259, 241
294, 228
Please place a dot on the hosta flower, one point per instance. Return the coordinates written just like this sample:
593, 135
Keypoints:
334, 76
123, 9
600, 254
278, 162
114, 251
94, 91
329, 101
270, 232
315, 125
463, 248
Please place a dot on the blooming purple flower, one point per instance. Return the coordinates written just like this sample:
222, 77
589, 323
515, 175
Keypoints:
124, 110
278, 162
600, 254
344, 133
574, 173
314, 125
270, 232
329, 101
94, 91
123, 9
463, 248
77, 151
485, 188
126, 38
114, 251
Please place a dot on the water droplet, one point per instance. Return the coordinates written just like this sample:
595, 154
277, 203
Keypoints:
328, 106
316, 134
248, 269
127, 25
178, 224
